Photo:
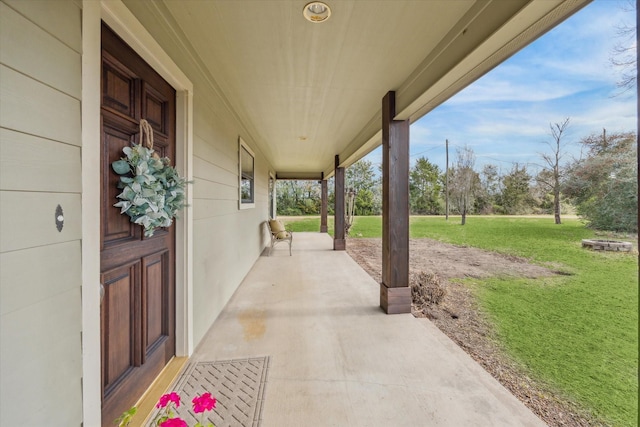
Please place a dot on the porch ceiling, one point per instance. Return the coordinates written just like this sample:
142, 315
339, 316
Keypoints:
306, 92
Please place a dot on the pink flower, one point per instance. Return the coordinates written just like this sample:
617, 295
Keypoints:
174, 422
169, 397
203, 403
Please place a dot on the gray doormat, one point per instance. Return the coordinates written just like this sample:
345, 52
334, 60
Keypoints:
238, 385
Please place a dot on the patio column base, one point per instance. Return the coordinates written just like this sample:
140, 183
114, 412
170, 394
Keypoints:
395, 300
339, 244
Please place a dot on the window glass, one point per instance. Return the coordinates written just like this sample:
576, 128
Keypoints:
247, 163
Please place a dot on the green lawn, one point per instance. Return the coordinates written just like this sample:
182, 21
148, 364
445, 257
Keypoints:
576, 332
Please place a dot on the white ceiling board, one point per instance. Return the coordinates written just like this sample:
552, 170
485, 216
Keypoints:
287, 78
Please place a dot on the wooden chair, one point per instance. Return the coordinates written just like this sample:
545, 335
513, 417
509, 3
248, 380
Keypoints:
279, 234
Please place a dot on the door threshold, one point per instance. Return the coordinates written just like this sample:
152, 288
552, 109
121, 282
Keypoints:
147, 403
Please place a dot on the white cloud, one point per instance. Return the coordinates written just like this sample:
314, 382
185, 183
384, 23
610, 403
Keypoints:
618, 116
569, 59
498, 88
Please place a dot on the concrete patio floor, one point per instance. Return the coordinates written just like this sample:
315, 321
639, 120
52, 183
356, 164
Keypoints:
337, 360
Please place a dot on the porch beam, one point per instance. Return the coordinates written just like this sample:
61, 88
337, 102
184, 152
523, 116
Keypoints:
395, 293
300, 176
324, 205
339, 242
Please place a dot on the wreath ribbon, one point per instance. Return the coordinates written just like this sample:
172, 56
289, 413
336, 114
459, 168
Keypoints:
146, 129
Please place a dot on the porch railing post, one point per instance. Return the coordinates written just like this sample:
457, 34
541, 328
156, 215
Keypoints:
395, 292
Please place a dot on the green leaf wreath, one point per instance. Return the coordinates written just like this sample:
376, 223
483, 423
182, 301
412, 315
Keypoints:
152, 190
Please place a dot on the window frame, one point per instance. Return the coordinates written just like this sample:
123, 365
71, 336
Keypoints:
246, 203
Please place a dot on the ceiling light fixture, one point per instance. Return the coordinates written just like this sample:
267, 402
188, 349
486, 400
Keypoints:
316, 12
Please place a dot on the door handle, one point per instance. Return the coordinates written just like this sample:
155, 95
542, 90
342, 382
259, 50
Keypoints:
101, 292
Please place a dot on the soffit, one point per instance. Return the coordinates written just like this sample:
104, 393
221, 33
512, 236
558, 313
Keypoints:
306, 92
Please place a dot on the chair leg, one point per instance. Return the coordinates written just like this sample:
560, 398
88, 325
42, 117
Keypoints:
290, 247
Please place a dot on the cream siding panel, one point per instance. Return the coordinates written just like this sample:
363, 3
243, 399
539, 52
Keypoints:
224, 264
40, 268
209, 152
23, 285
41, 363
227, 241
49, 60
28, 219
216, 130
215, 173
204, 208
29, 163
62, 19
213, 148
214, 191
32, 107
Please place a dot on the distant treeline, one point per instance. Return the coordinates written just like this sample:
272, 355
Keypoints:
601, 186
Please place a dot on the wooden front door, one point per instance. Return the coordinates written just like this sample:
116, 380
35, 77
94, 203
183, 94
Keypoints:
138, 272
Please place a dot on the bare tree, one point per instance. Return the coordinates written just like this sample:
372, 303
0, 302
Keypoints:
551, 180
464, 181
624, 54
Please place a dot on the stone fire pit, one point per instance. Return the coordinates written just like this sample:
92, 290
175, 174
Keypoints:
607, 245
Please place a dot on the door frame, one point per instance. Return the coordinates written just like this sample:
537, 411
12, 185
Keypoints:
117, 16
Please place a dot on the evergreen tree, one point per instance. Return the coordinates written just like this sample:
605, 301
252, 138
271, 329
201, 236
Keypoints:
516, 196
361, 177
425, 187
489, 190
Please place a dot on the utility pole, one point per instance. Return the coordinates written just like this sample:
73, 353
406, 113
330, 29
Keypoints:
446, 184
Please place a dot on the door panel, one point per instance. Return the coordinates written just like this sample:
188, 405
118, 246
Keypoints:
118, 317
116, 226
138, 272
119, 87
156, 293
154, 110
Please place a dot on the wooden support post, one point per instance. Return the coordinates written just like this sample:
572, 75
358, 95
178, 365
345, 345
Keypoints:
339, 242
395, 292
323, 205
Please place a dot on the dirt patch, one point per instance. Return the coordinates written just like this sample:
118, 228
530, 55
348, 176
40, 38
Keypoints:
460, 319
448, 261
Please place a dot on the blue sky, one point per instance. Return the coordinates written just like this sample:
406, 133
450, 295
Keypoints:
504, 116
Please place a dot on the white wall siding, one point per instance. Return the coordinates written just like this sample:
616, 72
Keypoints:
28, 219
53, 261
53, 63
33, 107
227, 240
41, 363
47, 165
60, 18
40, 267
